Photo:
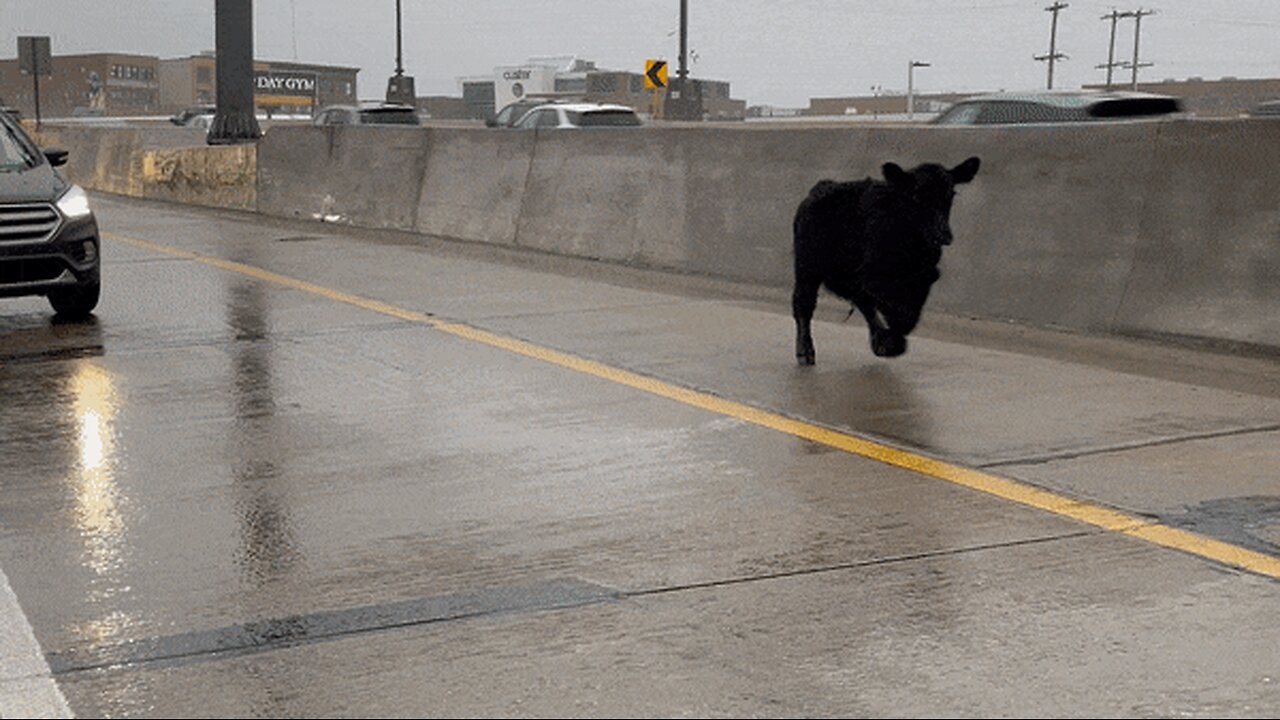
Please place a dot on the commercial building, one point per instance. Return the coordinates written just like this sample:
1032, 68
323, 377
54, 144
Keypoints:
279, 86
573, 78
116, 84
122, 85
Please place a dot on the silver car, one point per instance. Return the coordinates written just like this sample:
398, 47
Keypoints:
1058, 107
579, 115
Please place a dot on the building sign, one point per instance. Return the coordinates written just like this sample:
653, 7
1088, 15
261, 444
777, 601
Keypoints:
515, 83
283, 88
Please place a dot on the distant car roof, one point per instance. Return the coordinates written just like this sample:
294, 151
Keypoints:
1067, 99
1268, 108
590, 107
1061, 106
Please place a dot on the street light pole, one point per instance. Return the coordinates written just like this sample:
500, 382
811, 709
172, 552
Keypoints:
234, 121
400, 87
684, 98
911, 86
683, 71
399, 47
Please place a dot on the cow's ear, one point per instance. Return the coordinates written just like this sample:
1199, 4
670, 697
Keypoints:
896, 175
965, 171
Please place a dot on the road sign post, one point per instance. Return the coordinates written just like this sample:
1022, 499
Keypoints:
34, 59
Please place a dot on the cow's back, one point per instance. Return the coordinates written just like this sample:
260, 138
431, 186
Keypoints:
828, 229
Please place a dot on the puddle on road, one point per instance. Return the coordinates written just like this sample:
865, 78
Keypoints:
1252, 522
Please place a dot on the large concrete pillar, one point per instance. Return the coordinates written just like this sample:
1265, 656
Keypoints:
234, 121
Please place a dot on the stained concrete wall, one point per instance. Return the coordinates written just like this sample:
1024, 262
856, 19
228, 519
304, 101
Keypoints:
161, 162
1169, 228
223, 176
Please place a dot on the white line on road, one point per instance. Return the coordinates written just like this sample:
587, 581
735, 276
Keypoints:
27, 688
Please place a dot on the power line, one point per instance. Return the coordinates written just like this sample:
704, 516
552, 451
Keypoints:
1053, 55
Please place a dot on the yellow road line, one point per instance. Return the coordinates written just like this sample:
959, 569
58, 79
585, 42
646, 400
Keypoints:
1004, 488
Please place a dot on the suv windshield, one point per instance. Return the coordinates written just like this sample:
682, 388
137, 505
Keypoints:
604, 118
512, 113
14, 153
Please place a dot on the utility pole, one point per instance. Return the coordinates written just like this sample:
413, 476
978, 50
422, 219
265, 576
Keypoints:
1111, 65
1053, 55
1137, 34
911, 86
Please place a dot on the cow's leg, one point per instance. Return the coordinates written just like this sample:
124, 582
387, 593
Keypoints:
804, 299
884, 342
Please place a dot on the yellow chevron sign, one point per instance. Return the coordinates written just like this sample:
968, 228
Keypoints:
655, 74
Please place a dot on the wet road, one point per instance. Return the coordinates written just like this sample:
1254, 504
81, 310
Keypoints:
297, 470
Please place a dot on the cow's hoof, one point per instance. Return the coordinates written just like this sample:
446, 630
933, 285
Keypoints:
805, 359
888, 345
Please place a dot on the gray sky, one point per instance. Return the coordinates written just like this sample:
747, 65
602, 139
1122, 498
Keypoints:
779, 52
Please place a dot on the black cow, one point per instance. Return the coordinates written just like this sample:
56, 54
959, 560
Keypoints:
875, 243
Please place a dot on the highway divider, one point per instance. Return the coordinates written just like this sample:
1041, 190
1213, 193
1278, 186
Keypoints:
1145, 228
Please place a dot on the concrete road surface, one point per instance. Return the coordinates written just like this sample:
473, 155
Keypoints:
296, 470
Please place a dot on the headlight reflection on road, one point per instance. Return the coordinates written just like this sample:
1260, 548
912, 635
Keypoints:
100, 515
97, 512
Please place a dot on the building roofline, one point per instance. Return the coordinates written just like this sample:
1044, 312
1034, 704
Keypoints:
267, 61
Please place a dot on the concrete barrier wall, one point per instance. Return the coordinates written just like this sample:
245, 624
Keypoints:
1168, 228
1208, 259
224, 176
473, 186
161, 162
367, 176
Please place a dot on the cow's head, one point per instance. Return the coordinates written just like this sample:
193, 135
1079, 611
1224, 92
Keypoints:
905, 267
927, 190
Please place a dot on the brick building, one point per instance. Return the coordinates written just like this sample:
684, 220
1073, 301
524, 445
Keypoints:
283, 86
115, 84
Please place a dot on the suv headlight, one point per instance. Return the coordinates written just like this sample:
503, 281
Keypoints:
74, 203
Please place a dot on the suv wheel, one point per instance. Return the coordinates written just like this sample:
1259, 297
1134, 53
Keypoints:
77, 302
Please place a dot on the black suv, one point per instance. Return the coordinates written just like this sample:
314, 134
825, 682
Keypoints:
48, 235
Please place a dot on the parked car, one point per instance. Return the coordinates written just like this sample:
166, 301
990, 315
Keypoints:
508, 116
202, 121
385, 114
579, 115
49, 243
188, 116
1268, 109
1058, 107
